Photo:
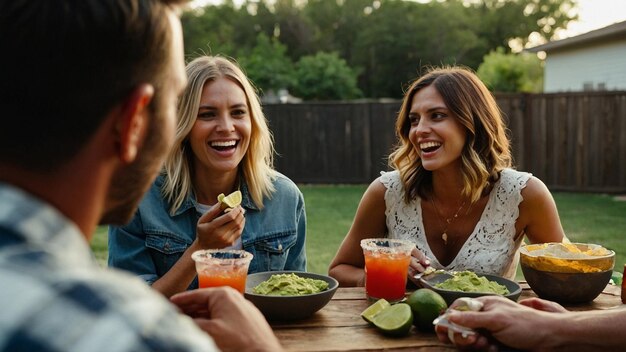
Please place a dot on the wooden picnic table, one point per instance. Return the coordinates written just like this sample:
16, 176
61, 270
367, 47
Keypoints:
339, 327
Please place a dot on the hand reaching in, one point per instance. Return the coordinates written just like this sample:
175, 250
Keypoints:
234, 323
502, 321
542, 304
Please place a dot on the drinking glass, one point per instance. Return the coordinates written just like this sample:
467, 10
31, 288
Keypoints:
386, 267
222, 267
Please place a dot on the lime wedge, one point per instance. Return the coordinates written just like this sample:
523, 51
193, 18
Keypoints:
395, 320
230, 201
371, 311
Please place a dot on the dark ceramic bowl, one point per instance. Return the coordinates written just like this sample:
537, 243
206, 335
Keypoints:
285, 308
566, 288
429, 281
566, 280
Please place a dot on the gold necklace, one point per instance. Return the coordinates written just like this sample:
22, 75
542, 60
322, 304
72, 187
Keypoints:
448, 222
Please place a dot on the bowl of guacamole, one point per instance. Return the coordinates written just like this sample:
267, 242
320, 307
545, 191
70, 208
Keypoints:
289, 295
453, 285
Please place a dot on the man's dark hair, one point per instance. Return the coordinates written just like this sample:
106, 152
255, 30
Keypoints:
64, 64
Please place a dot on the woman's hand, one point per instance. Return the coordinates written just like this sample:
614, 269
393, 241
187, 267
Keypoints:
217, 230
419, 262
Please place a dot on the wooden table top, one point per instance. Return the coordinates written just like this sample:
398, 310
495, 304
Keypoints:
339, 326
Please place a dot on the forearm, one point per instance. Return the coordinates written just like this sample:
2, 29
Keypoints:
590, 331
180, 276
348, 275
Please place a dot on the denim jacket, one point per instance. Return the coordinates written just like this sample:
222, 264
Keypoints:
154, 240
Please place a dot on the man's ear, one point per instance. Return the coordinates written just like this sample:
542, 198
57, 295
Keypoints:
133, 121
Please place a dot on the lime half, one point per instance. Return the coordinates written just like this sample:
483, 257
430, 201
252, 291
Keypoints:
373, 310
395, 320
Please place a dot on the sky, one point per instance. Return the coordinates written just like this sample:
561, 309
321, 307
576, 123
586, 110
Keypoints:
593, 14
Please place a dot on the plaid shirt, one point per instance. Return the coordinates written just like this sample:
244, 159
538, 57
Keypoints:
55, 297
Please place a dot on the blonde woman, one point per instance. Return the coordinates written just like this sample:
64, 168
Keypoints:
453, 191
222, 144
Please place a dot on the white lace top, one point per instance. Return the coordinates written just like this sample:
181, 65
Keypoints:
490, 249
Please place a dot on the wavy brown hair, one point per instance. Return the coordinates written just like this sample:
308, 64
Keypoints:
486, 151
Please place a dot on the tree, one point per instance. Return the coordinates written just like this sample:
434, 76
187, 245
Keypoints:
293, 28
504, 72
225, 29
403, 37
210, 30
387, 41
267, 65
500, 21
325, 76
338, 24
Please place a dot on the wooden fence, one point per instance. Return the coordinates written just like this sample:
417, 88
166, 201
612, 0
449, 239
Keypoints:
571, 141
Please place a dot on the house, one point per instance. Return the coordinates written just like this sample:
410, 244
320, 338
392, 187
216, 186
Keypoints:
592, 61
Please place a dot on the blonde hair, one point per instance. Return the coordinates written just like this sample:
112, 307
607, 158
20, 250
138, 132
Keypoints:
257, 165
486, 151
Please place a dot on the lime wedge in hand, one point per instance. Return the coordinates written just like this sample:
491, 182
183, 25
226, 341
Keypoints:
230, 201
371, 311
395, 320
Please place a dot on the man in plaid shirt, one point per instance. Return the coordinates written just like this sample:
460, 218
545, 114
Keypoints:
88, 90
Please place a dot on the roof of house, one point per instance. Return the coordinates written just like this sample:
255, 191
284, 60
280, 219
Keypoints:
616, 30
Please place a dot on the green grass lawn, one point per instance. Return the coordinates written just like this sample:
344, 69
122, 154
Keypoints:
594, 218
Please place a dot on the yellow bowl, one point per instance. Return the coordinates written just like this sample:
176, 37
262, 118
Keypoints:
567, 257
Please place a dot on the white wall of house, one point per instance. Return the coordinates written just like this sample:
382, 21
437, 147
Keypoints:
591, 66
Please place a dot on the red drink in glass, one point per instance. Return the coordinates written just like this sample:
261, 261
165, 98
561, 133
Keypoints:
227, 267
386, 267
234, 280
386, 276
